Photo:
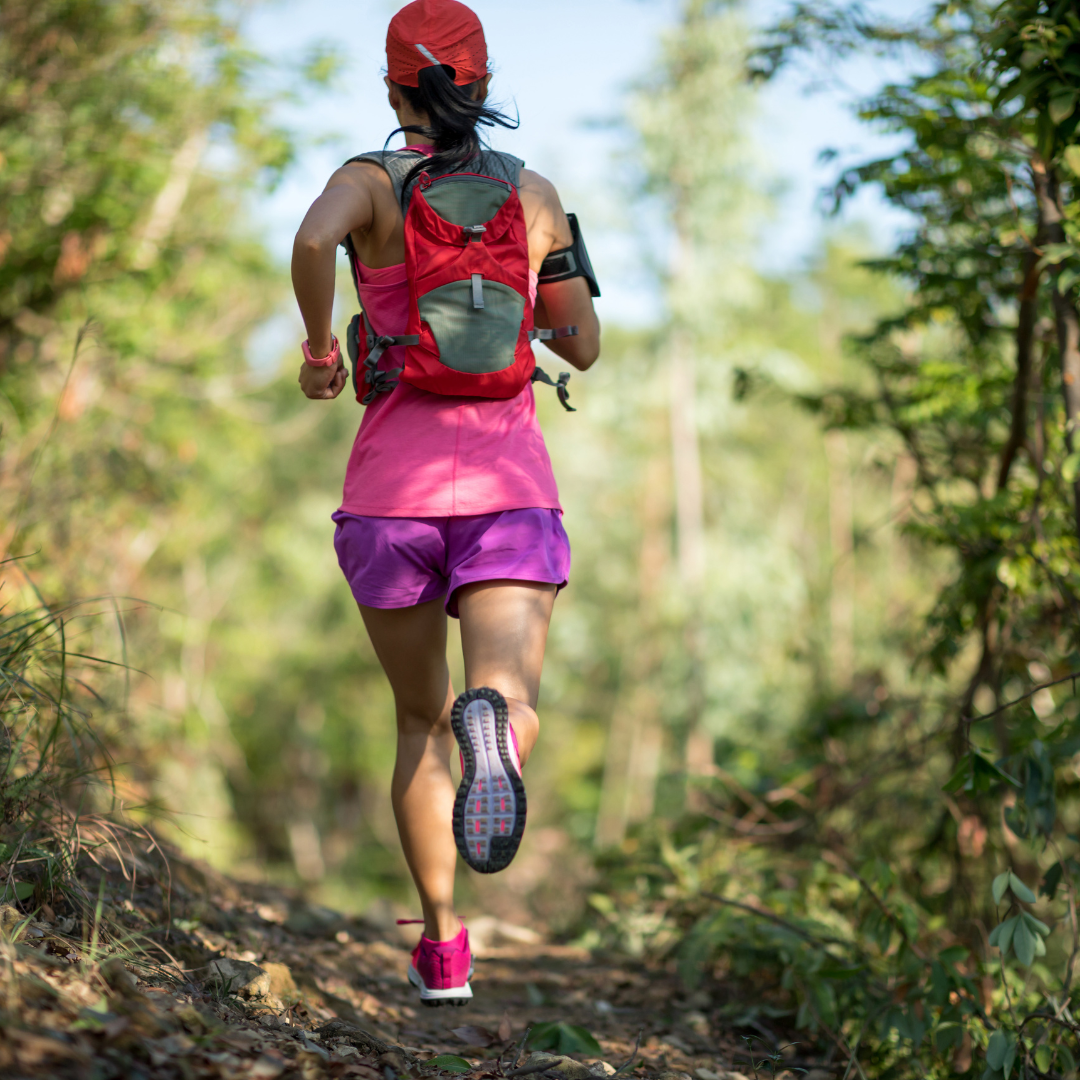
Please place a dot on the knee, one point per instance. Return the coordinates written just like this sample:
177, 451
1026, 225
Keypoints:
428, 723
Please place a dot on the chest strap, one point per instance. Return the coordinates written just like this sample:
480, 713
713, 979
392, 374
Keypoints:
553, 335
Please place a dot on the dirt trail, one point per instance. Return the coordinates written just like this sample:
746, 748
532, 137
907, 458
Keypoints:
250, 984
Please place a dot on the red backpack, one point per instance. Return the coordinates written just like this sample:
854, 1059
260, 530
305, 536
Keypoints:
470, 324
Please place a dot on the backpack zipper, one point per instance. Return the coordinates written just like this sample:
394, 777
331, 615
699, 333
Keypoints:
471, 178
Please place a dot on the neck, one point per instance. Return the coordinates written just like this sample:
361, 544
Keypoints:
411, 119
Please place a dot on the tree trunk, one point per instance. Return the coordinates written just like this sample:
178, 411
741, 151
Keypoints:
631, 764
1025, 343
842, 542
1048, 196
170, 199
1068, 333
686, 463
905, 474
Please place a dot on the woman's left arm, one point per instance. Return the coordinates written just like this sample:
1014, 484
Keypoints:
559, 303
344, 206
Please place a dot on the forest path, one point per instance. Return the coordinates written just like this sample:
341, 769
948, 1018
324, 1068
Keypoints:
309, 993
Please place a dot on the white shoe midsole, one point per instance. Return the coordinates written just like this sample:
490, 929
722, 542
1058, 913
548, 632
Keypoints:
436, 995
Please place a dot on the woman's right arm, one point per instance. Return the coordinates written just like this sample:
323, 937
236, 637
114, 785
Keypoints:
344, 206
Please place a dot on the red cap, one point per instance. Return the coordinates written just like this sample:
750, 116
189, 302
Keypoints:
429, 32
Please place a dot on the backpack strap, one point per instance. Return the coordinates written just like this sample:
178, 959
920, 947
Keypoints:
499, 165
381, 382
540, 375
398, 164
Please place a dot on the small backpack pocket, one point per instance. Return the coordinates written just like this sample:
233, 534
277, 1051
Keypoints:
475, 323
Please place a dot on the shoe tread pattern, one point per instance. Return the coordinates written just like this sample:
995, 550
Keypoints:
501, 849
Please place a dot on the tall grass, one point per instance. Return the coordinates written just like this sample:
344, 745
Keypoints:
58, 797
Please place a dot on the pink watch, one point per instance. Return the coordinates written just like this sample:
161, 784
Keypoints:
326, 361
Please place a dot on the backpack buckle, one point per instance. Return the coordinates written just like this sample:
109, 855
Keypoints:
474, 232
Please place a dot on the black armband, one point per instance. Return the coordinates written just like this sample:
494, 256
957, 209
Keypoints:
571, 262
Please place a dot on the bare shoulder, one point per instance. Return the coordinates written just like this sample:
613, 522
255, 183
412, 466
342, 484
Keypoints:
539, 188
363, 176
544, 215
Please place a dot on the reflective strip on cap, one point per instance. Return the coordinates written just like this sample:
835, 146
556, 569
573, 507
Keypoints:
427, 53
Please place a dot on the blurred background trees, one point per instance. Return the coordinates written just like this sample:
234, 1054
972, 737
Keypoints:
824, 526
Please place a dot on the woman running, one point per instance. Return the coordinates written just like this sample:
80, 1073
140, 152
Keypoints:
450, 505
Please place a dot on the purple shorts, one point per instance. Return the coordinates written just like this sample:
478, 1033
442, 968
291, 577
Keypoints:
398, 562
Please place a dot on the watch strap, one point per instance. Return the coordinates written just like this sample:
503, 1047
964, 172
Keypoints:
329, 360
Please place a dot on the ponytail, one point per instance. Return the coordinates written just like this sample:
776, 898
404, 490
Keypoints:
454, 114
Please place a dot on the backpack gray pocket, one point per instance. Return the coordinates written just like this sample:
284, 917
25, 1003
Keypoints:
475, 340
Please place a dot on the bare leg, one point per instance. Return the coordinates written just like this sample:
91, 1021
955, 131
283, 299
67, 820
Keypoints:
504, 627
411, 646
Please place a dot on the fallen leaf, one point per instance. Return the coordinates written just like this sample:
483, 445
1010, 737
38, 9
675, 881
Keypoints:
474, 1036
266, 1068
117, 1027
506, 1029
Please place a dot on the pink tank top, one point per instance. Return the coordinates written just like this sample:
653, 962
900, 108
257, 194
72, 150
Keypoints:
431, 455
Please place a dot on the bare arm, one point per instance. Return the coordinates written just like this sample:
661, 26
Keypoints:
345, 205
562, 303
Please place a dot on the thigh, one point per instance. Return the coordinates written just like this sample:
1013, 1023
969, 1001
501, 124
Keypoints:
410, 643
504, 627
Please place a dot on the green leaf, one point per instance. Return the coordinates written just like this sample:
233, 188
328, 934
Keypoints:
959, 779
1062, 105
449, 1063
1001, 883
1065, 1061
948, 1035
1020, 890
1024, 943
1071, 154
836, 970
1035, 925
1010, 1055
995, 1049
562, 1038
953, 954
23, 889
1070, 466
1042, 1058
1051, 880
7, 849
1005, 935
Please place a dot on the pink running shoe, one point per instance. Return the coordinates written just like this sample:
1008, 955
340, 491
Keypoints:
442, 970
489, 811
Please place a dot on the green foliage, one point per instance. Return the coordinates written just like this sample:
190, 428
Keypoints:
844, 880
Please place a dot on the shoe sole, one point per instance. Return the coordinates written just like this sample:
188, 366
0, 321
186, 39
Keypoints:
455, 997
489, 810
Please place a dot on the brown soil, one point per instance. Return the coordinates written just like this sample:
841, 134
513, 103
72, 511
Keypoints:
146, 1004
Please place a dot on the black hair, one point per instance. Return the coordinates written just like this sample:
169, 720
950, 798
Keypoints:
454, 113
